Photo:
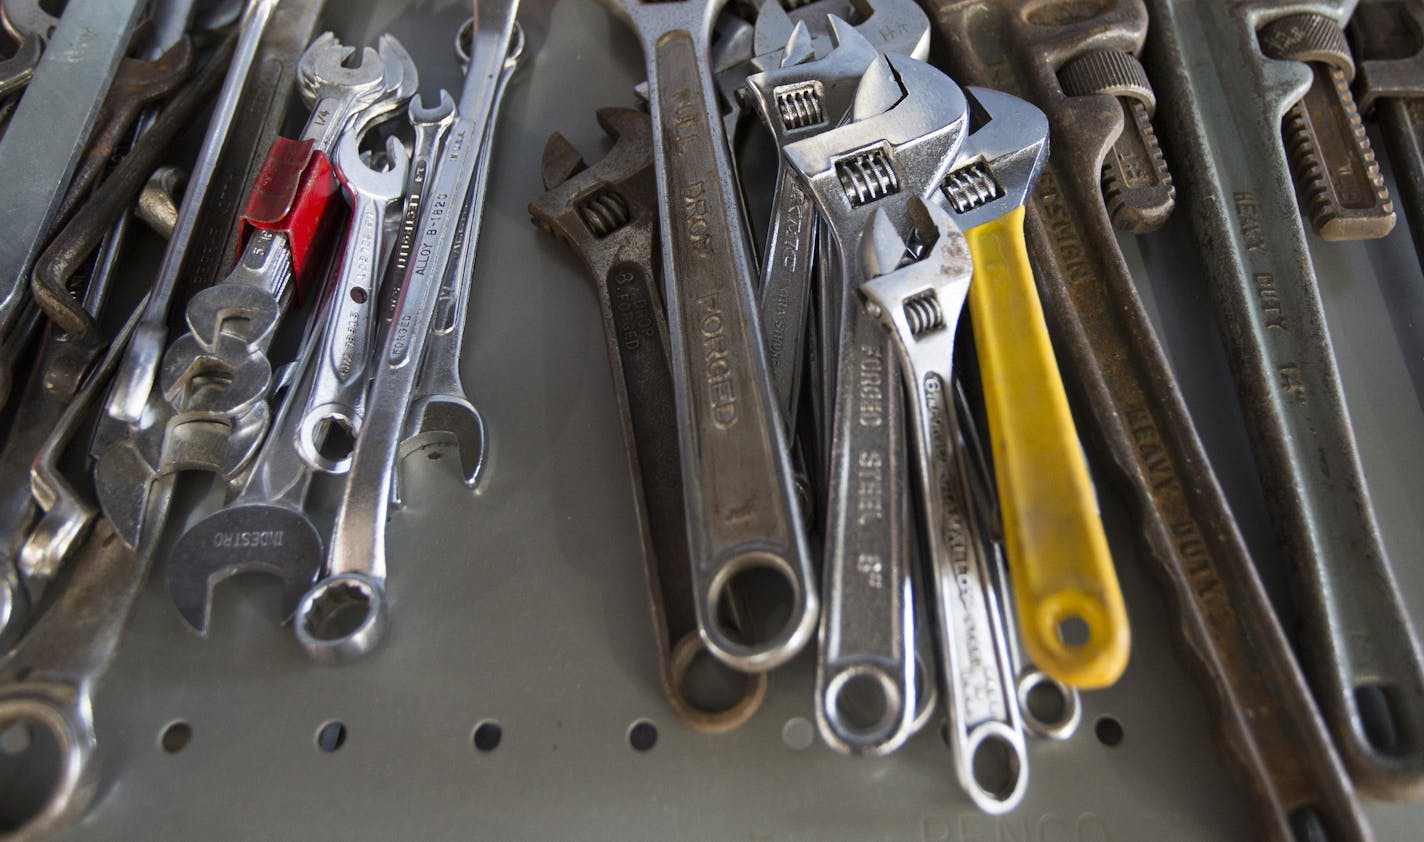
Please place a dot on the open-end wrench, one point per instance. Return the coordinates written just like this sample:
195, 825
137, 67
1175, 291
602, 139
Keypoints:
441, 414
905, 127
1141, 425
42, 143
345, 614
741, 500
333, 408
607, 213
139, 369
265, 529
1357, 645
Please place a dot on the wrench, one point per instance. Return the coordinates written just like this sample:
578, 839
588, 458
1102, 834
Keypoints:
17, 70
43, 141
1357, 645
907, 122
607, 213
265, 529
1230, 635
333, 409
441, 414
353, 588
741, 506
134, 381
793, 102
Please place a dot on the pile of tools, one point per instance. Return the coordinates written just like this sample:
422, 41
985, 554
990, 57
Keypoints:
331, 347
845, 399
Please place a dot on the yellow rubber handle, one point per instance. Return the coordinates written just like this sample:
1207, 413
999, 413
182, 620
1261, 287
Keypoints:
1058, 556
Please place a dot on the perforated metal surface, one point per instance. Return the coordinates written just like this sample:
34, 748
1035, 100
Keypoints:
523, 604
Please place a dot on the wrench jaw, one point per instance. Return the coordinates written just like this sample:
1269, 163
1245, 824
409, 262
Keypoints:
224, 545
1000, 160
342, 618
797, 100
437, 424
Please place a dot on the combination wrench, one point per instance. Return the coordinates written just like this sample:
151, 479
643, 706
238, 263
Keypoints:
1141, 425
1357, 645
903, 131
607, 214
345, 614
740, 497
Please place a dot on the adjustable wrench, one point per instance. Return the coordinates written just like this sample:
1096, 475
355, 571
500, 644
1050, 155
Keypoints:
441, 414
334, 401
741, 506
1357, 645
607, 214
906, 125
354, 582
795, 101
1141, 425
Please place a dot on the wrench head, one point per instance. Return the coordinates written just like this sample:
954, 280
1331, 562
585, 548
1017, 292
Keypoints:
1000, 161
246, 538
341, 618
586, 206
382, 185
884, 155
17, 70
234, 310
437, 423
226, 380
920, 298
806, 98
326, 65
441, 113
22, 18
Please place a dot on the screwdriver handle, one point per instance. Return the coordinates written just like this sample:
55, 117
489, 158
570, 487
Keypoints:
1058, 555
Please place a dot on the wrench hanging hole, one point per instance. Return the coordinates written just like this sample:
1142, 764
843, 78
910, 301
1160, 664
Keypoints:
1045, 702
705, 683
1108, 731
29, 778
331, 736
176, 737
1377, 717
995, 766
358, 294
862, 703
1073, 631
769, 598
643, 735
487, 735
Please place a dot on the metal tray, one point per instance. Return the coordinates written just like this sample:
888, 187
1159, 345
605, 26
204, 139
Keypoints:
522, 604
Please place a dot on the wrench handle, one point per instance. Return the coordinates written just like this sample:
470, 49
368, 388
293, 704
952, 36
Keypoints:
740, 497
1060, 562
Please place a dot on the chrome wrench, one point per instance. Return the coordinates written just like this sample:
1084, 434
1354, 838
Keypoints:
741, 500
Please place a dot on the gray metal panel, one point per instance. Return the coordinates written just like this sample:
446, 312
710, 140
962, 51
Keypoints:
523, 602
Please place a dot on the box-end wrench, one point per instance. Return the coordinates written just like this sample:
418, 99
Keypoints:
1119, 370
1357, 645
905, 127
607, 213
441, 416
741, 500
345, 615
46, 136
334, 403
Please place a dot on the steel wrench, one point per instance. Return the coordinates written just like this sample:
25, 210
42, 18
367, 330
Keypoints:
741, 503
607, 214
441, 414
906, 125
334, 402
42, 144
1229, 633
1357, 645
353, 587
